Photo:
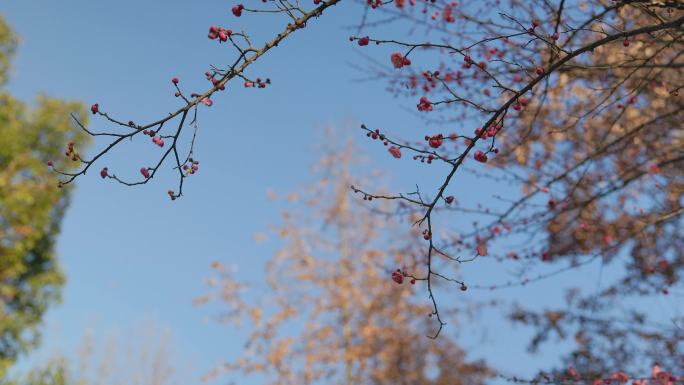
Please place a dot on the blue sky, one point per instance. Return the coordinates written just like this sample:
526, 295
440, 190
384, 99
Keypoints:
131, 254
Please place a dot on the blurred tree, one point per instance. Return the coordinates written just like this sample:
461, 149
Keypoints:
54, 372
337, 310
146, 358
31, 207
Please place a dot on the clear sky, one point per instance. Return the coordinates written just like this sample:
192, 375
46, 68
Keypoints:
130, 253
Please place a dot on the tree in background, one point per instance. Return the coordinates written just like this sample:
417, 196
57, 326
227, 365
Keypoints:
145, 357
331, 315
32, 140
54, 372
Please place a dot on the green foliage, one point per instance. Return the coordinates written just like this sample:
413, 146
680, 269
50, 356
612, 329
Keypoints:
8, 43
55, 372
31, 207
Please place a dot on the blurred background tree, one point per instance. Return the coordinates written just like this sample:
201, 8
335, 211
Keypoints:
145, 356
334, 313
31, 206
54, 372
